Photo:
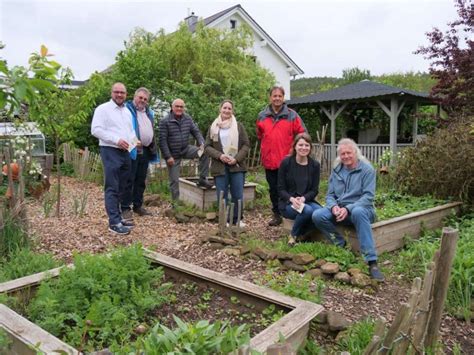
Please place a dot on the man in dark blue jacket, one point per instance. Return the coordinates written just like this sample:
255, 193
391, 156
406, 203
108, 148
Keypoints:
141, 155
175, 131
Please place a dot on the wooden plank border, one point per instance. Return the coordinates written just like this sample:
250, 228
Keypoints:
293, 326
389, 235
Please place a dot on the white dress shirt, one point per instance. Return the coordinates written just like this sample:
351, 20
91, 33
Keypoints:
112, 123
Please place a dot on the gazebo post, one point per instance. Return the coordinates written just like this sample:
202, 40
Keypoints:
393, 128
415, 123
393, 113
332, 117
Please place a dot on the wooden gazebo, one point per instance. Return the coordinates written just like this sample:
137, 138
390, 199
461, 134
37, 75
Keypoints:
366, 94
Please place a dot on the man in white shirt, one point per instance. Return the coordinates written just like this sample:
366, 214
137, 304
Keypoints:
112, 125
145, 151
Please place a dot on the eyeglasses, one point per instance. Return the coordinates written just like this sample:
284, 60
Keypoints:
178, 106
119, 92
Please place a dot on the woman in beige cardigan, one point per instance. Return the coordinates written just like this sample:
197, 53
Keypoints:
227, 143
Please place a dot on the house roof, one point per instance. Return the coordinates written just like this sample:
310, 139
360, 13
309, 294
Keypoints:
360, 91
209, 21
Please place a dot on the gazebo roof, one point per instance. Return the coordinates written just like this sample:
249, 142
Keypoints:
361, 91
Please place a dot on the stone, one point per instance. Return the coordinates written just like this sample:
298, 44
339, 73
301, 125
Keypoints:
194, 219
361, 280
211, 216
244, 249
232, 251
343, 277
337, 322
152, 200
169, 213
330, 268
303, 258
315, 273
189, 214
319, 262
252, 256
353, 270
263, 253
216, 246
290, 265
284, 255
225, 241
181, 218
272, 255
322, 317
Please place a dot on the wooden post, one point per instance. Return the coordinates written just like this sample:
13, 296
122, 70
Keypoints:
222, 214
400, 348
441, 283
393, 330
423, 308
231, 213
280, 349
376, 339
239, 216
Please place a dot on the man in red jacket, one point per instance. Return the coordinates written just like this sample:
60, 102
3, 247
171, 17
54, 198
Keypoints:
277, 126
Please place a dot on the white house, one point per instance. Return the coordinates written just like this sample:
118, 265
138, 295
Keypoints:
266, 51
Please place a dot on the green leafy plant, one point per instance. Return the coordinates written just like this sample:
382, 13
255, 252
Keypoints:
79, 204
12, 234
356, 338
412, 262
100, 300
200, 338
48, 202
271, 315
5, 342
295, 284
23, 262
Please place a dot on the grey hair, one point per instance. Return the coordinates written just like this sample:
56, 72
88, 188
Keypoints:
348, 141
143, 89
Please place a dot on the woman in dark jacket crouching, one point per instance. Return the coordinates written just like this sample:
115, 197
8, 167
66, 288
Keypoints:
298, 185
227, 143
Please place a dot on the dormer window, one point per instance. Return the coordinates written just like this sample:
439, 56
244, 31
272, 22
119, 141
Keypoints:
233, 24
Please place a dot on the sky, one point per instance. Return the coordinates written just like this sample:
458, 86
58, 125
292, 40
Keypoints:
323, 37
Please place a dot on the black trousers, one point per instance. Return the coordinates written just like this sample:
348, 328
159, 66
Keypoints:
134, 194
272, 179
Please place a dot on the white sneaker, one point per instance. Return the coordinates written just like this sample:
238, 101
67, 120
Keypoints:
241, 225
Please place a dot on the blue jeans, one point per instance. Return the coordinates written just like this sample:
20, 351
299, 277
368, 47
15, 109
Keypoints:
136, 184
117, 166
303, 223
236, 183
360, 218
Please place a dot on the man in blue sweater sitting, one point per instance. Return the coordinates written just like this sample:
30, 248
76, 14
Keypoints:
350, 201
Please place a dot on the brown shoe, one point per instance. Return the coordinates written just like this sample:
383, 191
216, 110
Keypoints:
142, 211
127, 215
275, 221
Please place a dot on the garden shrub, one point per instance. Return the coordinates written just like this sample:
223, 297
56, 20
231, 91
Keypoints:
12, 234
441, 164
101, 300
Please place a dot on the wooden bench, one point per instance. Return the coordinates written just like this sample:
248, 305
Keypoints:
389, 235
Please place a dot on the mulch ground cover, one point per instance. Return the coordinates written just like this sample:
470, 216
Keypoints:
69, 234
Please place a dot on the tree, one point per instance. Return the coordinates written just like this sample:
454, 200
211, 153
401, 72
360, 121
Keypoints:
452, 62
354, 75
52, 113
202, 68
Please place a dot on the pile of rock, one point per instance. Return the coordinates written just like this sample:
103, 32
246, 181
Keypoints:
301, 262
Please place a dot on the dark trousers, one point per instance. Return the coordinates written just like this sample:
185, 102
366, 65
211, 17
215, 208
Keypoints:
136, 185
272, 179
117, 168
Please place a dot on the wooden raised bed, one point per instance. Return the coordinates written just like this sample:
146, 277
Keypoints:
293, 326
390, 235
203, 198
